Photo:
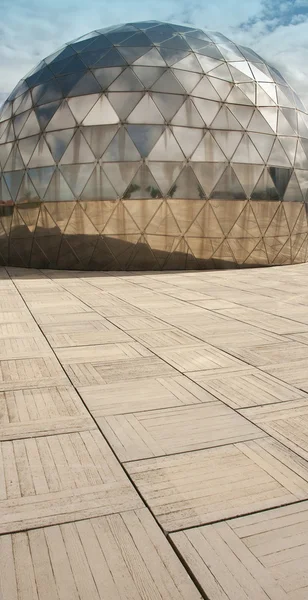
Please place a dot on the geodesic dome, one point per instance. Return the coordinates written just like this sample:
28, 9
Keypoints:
153, 145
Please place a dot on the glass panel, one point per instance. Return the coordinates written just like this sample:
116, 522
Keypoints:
62, 119
138, 39
27, 146
270, 114
259, 124
196, 44
76, 176
67, 66
41, 179
168, 83
246, 152
123, 104
52, 92
236, 96
289, 146
204, 89
60, 55
278, 156
120, 174
31, 126
284, 127
143, 185
58, 142
222, 87
165, 173
80, 107
3, 129
58, 189
293, 192
207, 63
242, 114
107, 75
212, 51
186, 79
280, 178
187, 138
291, 117
285, 97
6, 111
99, 137
27, 193
166, 148
98, 187
98, 43
145, 112
172, 56
148, 75
4, 193
9, 135
45, 113
265, 189
188, 116
90, 58
144, 137
225, 120
160, 33
263, 143
189, 63
270, 89
249, 89
127, 81
222, 72
14, 162
41, 156
187, 185
301, 160
208, 150
5, 150
228, 187
208, 174
86, 85
248, 175
131, 54
259, 72
67, 82
302, 126
303, 182
20, 88
207, 109
25, 104
113, 58
240, 71
102, 113
19, 122
168, 104
228, 141
263, 98
121, 148
16, 104
151, 59
13, 181
78, 151
230, 51
116, 37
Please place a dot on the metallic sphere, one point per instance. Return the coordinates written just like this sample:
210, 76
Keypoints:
153, 146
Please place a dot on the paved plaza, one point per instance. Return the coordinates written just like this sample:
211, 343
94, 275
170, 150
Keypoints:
154, 435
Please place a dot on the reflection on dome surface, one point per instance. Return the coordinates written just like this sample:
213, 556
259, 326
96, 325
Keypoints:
153, 146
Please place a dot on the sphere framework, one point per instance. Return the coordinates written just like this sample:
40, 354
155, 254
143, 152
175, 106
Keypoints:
157, 146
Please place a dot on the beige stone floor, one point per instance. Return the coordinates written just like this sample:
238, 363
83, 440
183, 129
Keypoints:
154, 435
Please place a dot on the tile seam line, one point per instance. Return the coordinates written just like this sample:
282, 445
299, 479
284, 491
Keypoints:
266, 434
134, 486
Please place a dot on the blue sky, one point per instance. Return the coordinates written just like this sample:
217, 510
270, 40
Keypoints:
276, 29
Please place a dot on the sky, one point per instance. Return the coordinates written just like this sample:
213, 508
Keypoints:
275, 29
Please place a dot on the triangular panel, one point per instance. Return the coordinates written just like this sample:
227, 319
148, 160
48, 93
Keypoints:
165, 173
62, 119
208, 150
144, 137
143, 185
58, 141
146, 112
123, 104
99, 137
168, 83
81, 106
208, 174
58, 190
41, 156
76, 176
187, 186
228, 187
246, 152
121, 148
188, 139
98, 187
102, 113
168, 104
120, 174
278, 156
166, 148
78, 151
204, 89
228, 141
293, 192
225, 120
41, 179
188, 116
248, 175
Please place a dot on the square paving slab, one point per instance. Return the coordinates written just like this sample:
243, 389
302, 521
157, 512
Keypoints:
258, 557
123, 556
60, 478
174, 430
209, 485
